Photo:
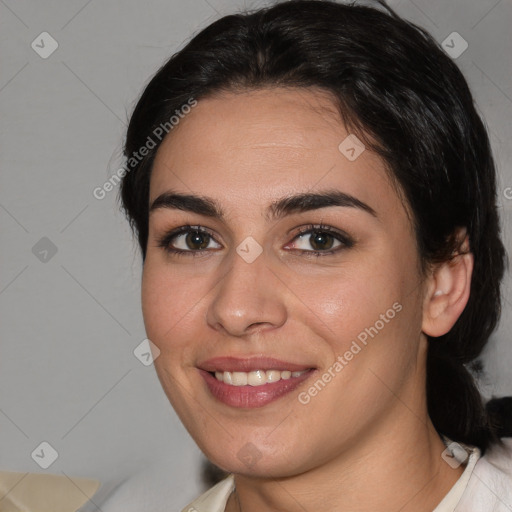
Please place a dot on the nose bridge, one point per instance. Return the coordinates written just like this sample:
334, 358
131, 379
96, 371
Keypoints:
246, 294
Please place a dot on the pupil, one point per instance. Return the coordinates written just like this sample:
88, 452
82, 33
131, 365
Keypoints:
199, 239
320, 239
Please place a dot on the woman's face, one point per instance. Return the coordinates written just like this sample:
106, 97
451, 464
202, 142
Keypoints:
266, 291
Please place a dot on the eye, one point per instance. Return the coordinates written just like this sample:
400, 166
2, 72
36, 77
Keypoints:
196, 240
323, 239
187, 239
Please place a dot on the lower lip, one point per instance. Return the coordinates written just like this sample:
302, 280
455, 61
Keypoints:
249, 397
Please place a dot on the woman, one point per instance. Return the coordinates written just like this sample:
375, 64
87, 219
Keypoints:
314, 198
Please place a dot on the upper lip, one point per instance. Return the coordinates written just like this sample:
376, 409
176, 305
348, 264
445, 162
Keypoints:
234, 364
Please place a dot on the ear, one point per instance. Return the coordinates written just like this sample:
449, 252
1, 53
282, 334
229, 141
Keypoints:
448, 289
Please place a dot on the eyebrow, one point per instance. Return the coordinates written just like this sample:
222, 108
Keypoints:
278, 209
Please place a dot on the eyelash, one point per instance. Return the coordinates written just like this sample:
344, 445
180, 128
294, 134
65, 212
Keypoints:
165, 241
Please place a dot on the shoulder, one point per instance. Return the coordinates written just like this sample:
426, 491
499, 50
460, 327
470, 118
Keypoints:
489, 488
214, 499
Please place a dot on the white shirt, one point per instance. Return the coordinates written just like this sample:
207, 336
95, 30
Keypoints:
484, 486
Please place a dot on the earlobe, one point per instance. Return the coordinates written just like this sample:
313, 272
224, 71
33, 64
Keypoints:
447, 292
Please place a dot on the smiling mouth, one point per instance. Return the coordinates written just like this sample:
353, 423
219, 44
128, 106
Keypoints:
252, 382
256, 377
253, 389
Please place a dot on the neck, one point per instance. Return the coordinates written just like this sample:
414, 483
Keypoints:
397, 468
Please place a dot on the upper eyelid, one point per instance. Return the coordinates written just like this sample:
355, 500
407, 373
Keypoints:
343, 237
183, 230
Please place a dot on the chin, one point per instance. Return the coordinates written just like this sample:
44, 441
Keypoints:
254, 461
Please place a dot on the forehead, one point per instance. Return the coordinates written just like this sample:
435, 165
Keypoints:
265, 143
277, 118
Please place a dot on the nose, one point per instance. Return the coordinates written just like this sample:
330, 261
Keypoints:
249, 298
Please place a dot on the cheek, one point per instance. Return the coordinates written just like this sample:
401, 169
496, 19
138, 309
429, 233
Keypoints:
348, 301
371, 318
173, 308
164, 303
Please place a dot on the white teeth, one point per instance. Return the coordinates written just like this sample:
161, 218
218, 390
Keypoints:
255, 378
239, 378
273, 375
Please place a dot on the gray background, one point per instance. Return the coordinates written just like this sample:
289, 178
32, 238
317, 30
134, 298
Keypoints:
71, 320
